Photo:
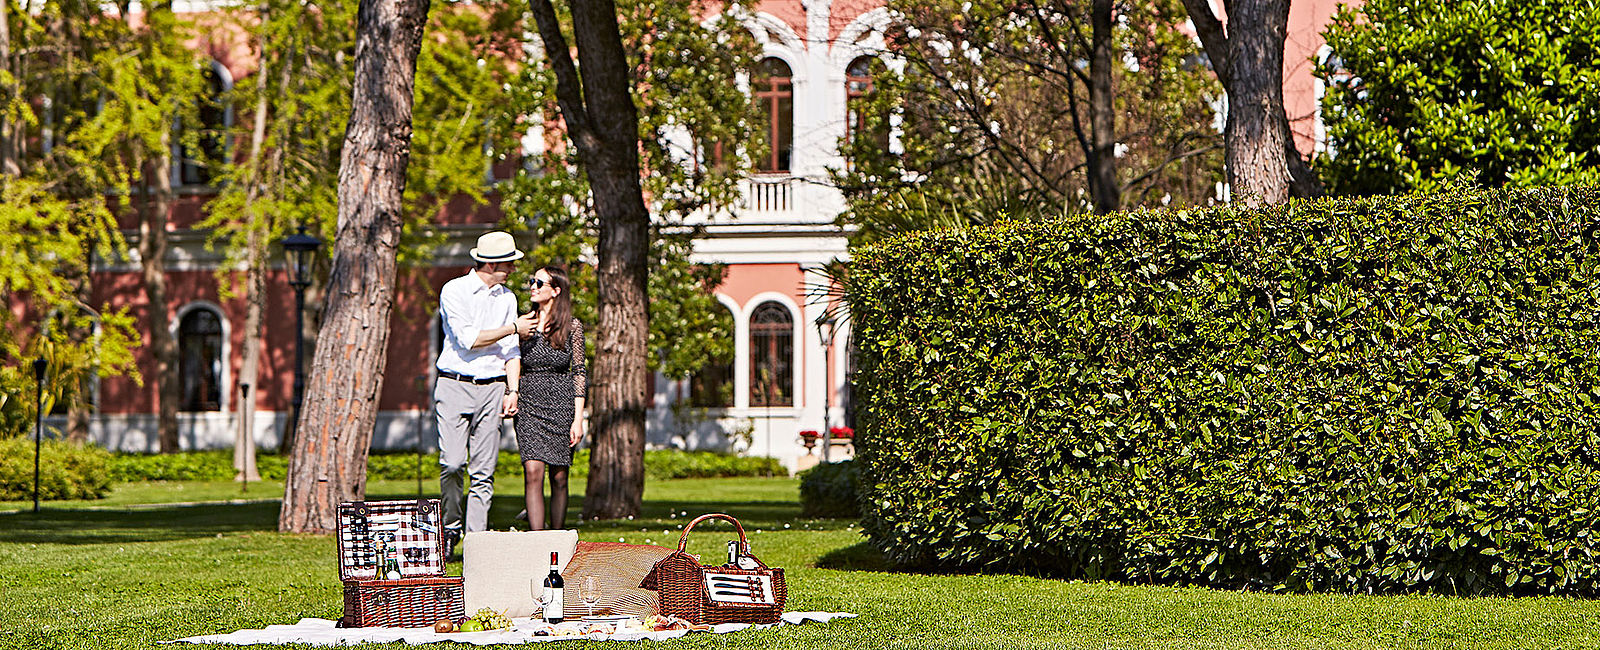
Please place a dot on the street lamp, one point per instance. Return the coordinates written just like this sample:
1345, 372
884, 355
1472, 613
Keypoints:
825, 326
39, 368
299, 251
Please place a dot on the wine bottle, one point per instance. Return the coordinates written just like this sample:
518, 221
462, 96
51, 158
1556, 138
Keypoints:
554, 598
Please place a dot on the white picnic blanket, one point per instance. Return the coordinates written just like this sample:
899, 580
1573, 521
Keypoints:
321, 632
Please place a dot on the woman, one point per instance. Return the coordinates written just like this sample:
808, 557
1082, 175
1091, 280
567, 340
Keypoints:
550, 396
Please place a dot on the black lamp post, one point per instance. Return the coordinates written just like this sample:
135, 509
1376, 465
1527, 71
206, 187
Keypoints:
299, 251
825, 326
39, 368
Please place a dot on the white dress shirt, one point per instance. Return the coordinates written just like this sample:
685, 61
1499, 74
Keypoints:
467, 306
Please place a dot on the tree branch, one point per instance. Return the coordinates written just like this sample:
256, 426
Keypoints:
569, 88
1212, 38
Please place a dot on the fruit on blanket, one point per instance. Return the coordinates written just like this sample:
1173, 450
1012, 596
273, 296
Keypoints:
470, 625
489, 619
444, 626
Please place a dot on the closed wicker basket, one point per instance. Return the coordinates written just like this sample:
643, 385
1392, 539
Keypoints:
706, 595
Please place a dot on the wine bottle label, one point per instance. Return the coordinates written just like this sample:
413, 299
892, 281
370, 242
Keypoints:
557, 604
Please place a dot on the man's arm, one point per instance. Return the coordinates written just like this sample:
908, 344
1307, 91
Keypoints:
454, 306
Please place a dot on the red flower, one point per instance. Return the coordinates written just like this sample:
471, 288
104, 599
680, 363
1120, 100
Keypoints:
842, 432
809, 434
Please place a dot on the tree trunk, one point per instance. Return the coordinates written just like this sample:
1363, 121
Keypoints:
153, 270
9, 163
244, 444
603, 125
1103, 185
255, 283
329, 461
1263, 166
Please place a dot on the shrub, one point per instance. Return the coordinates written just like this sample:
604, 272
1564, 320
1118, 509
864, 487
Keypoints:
214, 465
1385, 394
829, 490
66, 470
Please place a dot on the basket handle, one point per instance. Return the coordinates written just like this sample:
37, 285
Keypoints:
683, 540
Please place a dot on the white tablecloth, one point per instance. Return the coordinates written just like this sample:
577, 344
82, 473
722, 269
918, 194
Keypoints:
321, 632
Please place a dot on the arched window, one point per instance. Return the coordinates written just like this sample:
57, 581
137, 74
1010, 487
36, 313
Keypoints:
712, 385
864, 127
771, 356
200, 360
773, 84
201, 150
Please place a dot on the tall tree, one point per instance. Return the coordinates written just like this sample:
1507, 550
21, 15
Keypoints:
1025, 109
328, 462
162, 86
1263, 166
603, 124
682, 68
1423, 92
53, 205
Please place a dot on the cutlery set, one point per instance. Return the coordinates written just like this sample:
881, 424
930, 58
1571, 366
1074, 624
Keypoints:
739, 588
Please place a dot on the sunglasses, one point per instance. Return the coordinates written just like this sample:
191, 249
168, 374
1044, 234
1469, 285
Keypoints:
536, 283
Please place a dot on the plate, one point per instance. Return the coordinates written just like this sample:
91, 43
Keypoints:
605, 619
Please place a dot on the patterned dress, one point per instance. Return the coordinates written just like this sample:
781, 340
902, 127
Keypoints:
551, 379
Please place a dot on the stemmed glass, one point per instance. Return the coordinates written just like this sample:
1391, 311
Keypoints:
590, 592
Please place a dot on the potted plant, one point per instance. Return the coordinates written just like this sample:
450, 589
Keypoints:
809, 439
841, 435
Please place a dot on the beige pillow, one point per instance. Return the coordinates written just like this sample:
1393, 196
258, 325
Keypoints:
504, 571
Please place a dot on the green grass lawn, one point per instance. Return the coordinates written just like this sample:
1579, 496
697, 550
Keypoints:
130, 575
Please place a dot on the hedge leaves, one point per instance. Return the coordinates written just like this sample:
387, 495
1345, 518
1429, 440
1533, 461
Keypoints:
1387, 394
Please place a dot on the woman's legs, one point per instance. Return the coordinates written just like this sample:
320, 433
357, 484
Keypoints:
533, 487
558, 497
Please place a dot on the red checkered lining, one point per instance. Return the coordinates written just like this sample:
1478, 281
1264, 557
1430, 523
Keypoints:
415, 524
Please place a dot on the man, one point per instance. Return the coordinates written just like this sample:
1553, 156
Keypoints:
478, 368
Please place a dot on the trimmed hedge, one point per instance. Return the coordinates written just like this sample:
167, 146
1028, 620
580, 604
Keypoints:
66, 470
1388, 394
830, 490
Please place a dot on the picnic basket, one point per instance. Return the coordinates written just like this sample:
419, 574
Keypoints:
423, 594
707, 595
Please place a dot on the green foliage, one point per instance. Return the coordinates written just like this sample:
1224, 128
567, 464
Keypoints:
1383, 395
185, 466
830, 490
66, 470
992, 105
55, 203
1421, 91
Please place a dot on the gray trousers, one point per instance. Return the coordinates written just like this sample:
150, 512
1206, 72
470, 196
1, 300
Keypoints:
469, 443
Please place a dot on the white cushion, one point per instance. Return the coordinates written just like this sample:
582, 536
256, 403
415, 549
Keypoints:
505, 571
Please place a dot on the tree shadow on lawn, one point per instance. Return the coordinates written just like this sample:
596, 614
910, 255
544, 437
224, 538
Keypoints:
142, 524
158, 523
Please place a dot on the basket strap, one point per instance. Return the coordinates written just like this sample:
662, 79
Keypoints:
683, 540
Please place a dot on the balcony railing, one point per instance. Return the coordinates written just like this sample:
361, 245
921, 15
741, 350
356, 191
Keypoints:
769, 194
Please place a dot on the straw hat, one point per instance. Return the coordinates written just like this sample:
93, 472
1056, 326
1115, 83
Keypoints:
496, 246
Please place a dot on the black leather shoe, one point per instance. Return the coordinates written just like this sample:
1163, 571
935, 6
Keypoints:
451, 537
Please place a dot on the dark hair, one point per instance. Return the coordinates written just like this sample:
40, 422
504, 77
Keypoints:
558, 327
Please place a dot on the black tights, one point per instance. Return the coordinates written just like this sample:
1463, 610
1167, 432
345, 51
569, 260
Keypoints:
533, 486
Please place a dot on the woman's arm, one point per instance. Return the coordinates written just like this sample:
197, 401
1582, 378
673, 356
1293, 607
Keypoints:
508, 404
580, 380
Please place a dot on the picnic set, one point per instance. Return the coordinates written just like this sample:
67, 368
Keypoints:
392, 562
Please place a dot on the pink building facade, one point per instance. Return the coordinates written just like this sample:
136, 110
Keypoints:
783, 379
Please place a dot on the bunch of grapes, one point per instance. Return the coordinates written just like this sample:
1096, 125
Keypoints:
491, 620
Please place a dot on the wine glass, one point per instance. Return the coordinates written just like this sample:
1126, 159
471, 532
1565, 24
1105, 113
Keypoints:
540, 595
590, 592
